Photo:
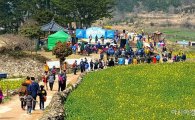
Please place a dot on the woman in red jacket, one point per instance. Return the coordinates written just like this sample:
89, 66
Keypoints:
154, 59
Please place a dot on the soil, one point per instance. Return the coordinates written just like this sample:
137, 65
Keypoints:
12, 110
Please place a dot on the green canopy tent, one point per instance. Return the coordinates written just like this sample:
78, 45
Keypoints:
56, 37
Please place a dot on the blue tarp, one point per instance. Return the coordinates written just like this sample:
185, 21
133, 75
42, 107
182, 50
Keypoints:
80, 33
110, 34
95, 31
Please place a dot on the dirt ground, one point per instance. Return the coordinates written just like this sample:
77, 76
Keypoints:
12, 110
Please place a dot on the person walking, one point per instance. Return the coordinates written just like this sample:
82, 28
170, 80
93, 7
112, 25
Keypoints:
42, 97
46, 68
64, 78
51, 81
62, 81
90, 39
74, 67
65, 66
96, 39
45, 81
53, 71
33, 88
22, 94
29, 102
82, 66
28, 81
91, 65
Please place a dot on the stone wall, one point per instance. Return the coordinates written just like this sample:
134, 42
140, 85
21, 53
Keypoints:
20, 67
55, 110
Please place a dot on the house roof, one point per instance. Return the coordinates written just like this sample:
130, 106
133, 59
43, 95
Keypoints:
52, 26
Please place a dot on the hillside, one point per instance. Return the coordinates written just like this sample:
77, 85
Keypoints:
150, 5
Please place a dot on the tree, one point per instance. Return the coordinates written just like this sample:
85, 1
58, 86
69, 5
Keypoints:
84, 11
30, 29
62, 50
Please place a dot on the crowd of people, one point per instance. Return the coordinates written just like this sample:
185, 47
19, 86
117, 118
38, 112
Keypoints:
31, 88
109, 56
154, 52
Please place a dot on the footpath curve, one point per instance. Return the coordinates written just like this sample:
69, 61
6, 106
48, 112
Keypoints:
12, 110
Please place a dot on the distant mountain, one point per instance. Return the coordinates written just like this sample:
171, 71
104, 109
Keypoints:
150, 5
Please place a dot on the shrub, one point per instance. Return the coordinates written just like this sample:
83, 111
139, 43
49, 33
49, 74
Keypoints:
15, 43
46, 48
62, 50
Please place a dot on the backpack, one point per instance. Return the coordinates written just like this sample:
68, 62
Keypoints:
22, 91
74, 65
61, 79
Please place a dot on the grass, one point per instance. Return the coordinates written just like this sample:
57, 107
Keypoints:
12, 84
149, 92
176, 34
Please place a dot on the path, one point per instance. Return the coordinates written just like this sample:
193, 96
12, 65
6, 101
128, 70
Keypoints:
13, 111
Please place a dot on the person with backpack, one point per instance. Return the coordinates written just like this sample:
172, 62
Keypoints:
42, 97
51, 81
1, 95
33, 88
74, 67
22, 93
86, 66
29, 102
53, 70
62, 81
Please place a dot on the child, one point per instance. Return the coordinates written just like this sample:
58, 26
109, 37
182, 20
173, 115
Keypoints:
29, 99
22, 93
1, 95
42, 95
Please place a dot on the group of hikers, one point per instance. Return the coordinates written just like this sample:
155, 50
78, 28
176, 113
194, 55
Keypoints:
109, 55
31, 88
28, 93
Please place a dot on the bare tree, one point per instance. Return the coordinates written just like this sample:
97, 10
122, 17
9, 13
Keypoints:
16, 42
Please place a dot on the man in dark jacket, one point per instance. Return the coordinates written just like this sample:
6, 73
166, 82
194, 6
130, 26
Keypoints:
33, 88
82, 66
111, 63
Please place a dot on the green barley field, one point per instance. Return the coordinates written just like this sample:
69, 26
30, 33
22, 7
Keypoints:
141, 92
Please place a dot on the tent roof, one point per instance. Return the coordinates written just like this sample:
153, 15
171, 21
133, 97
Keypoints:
52, 26
59, 34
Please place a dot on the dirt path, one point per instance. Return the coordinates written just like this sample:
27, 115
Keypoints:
13, 111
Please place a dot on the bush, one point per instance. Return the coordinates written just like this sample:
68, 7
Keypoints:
46, 48
15, 43
62, 50
187, 24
